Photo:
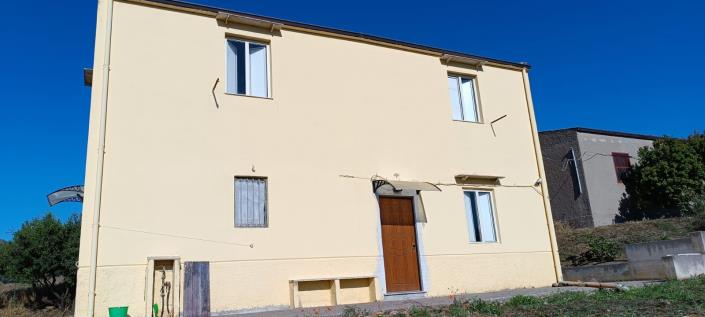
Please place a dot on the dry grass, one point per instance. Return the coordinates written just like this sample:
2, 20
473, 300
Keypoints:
18, 310
15, 302
574, 241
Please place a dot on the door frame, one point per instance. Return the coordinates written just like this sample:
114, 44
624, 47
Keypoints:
413, 196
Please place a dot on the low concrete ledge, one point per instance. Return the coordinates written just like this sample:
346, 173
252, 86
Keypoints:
698, 240
657, 249
647, 270
683, 266
657, 260
606, 272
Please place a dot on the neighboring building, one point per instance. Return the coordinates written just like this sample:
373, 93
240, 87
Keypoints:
259, 164
583, 170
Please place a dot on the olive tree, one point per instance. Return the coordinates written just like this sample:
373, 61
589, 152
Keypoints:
42, 253
668, 180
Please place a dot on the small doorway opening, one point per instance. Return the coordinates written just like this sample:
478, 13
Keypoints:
163, 287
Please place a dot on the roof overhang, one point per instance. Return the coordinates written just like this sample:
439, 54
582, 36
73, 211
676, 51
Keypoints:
228, 18
477, 179
451, 58
257, 20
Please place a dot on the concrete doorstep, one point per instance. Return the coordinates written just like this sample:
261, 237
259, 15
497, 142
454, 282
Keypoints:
391, 305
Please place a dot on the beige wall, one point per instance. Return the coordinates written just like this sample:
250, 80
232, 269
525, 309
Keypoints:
603, 187
337, 107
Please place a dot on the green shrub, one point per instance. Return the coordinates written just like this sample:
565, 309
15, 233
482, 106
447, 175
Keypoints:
484, 307
600, 250
43, 254
524, 301
668, 181
419, 312
457, 309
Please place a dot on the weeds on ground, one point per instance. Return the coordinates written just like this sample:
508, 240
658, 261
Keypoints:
673, 298
351, 311
419, 312
574, 242
17, 309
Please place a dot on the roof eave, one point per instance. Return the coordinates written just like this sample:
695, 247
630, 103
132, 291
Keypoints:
280, 23
608, 133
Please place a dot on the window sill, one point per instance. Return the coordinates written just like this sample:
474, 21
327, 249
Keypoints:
463, 121
249, 96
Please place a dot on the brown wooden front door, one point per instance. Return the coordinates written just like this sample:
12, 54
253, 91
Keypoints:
401, 262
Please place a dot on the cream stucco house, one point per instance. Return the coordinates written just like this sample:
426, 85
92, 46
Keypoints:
242, 163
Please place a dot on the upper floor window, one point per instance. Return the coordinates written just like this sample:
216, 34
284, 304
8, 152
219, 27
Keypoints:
250, 202
621, 165
247, 72
480, 216
463, 98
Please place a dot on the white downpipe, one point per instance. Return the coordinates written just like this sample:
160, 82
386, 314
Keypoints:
542, 175
100, 159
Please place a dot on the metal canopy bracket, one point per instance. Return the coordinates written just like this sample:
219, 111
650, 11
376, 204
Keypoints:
402, 185
241, 19
477, 179
448, 58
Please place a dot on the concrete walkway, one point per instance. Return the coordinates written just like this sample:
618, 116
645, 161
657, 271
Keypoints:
390, 305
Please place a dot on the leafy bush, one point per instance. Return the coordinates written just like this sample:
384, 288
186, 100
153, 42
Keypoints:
43, 254
419, 312
485, 307
668, 181
524, 301
600, 250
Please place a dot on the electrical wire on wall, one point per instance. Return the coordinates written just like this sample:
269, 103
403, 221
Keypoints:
251, 245
584, 157
533, 186
590, 156
377, 177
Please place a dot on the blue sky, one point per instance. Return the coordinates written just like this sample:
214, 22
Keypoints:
634, 66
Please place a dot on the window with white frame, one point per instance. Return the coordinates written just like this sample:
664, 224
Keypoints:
250, 202
480, 216
463, 98
248, 71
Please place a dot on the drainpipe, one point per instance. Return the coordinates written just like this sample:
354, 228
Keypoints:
95, 228
542, 175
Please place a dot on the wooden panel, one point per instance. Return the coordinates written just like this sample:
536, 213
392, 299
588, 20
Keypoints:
401, 263
197, 289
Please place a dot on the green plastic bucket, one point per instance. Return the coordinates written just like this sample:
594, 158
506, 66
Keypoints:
117, 311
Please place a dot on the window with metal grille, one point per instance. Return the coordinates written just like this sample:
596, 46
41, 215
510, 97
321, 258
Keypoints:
621, 165
250, 202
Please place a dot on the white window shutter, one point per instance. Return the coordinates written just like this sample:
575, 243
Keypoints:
258, 70
235, 80
454, 92
484, 206
469, 211
467, 88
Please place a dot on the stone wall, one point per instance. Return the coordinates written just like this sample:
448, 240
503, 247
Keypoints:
568, 191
